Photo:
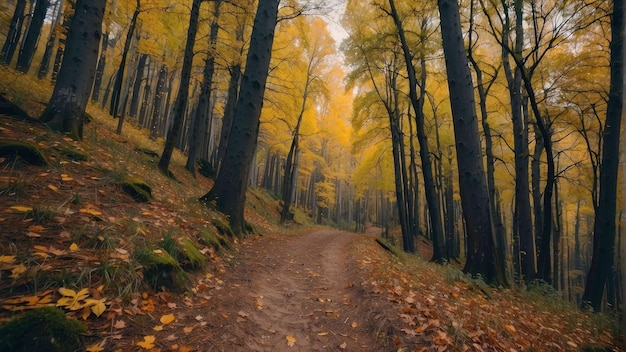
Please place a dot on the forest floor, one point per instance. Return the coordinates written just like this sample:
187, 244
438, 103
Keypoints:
71, 238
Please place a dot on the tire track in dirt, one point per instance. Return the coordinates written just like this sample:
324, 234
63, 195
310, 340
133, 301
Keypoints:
305, 287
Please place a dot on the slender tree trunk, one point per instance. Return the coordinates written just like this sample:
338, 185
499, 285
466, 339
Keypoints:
158, 101
432, 200
44, 66
604, 225
139, 77
180, 104
29, 46
97, 84
66, 108
203, 114
231, 183
14, 34
117, 87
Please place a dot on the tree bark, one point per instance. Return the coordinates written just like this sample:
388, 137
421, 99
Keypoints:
604, 227
14, 34
481, 258
44, 66
117, 86
67, 105
29, 46
180, 103
229, 190
202, 118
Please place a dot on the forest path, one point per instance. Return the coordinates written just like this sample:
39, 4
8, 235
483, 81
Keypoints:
299, 292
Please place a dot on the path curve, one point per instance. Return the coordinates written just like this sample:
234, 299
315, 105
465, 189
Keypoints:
300, 290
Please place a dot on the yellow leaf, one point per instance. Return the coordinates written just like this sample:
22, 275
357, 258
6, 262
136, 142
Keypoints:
354, 324
74, 247
21, 208
56, 189
148, 342
168, 318
510, 329
96, 347
158, 328
90, 211
291, 341
17, 271
66, 177
323, 333
67, 292
99, 308
7, 258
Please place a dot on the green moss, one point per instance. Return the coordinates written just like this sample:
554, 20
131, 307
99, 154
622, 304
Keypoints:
215, 241
136, 188
222, 228
162, 270
42, 329
23, 151
192, 254
73, 154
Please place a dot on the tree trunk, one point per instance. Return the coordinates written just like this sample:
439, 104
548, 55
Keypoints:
180, 103
67, 105
97, 84
481, 251
230, 186
158, 101
229, 111
44, 66
139, 74
432, 200
14, 34
117, 87
604, 225
29, 46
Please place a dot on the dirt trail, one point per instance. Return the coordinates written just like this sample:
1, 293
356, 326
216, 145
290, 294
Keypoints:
305, 287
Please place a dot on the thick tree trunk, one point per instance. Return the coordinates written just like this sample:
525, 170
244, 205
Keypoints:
231, 184
29, 46
67, 105
180, 104
14, 34
604, 225
481, 251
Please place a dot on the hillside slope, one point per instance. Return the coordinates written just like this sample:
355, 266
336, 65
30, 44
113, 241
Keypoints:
166, 274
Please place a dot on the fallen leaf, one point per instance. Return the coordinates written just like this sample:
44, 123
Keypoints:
96, 347
291, 341
66, 178
343, 346
510, 329
158, 328
21, 208
166, 319
90, 211
120, 324
148, 342
17, 271
56, 189
323, 333
74, 247
188, 329
354, 324
7, 259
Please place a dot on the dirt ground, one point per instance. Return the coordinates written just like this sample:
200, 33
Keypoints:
298, 292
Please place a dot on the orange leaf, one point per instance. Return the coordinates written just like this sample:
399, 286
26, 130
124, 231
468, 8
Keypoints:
168, 318
148, 342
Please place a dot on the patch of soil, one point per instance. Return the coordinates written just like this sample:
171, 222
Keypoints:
298, 292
